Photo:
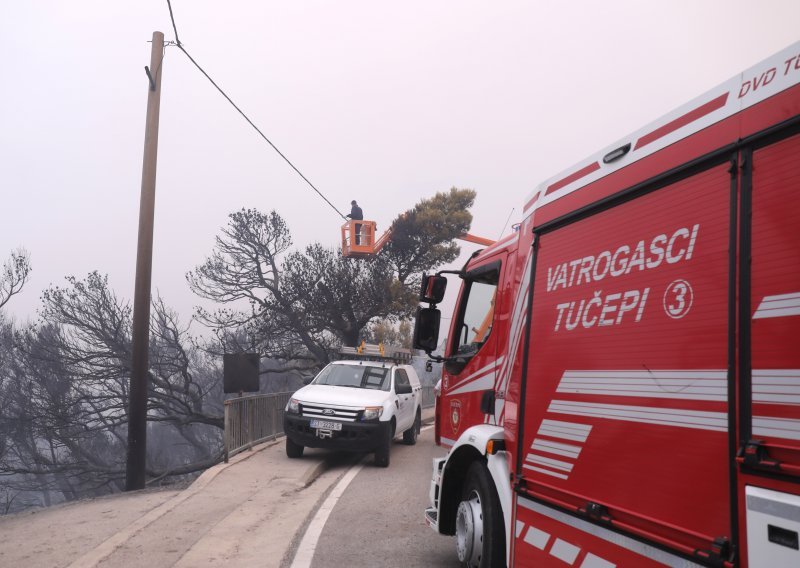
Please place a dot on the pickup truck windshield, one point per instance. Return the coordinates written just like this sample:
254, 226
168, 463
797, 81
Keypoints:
361, 376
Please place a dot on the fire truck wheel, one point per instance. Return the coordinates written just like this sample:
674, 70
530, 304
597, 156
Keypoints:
293, 450
410, 435
480, 539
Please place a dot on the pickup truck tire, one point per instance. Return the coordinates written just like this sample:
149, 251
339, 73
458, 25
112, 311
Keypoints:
293, 450
410, 435
480, 538
382, 453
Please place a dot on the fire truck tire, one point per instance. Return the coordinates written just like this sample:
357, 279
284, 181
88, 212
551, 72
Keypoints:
410, 435
480, 538
293, 450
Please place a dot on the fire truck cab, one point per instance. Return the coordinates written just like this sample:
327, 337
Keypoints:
621, 381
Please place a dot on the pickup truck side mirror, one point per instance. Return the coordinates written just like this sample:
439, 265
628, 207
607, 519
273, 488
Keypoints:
403, 389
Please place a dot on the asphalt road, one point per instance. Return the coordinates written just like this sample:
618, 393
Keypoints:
379, 519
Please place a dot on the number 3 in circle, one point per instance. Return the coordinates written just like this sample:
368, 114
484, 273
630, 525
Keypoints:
678, 299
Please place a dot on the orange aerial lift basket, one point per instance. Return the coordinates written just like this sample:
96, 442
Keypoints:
358, 239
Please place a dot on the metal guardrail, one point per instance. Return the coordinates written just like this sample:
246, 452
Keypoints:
250, 420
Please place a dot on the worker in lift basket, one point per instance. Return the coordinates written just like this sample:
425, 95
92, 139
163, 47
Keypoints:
356, 215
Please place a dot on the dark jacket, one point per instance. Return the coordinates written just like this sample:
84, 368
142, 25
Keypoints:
356, 214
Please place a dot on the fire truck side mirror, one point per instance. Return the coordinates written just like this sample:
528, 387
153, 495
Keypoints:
433, 288
426, 329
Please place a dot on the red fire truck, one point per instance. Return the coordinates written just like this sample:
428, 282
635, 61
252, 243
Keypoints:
621, 381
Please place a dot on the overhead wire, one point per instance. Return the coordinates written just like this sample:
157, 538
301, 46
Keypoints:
250, 122
174, 27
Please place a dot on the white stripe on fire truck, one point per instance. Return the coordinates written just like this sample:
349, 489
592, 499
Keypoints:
617, 539
684, 384
549, 462
447, 442
557, 429
517, 324
537, 537
592, 561
778, 306
481, 383
701, 420
546, 471
530, 203
561, 549
477, 374
504, 242
779, 386
519, 316
786, 428
564, 430
565, 551
566, 450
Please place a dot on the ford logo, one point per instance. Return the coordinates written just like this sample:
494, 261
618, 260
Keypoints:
328, 412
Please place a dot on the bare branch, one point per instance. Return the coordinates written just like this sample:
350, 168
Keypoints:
16, 272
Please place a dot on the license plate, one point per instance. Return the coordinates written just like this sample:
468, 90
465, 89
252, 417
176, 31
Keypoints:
326, 425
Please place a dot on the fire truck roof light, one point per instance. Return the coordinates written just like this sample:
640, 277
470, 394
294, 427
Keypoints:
616, 154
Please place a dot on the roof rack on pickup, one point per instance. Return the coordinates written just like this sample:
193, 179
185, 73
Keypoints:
379, 352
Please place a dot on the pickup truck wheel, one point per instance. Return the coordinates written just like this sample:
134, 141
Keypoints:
410, 435
293, 450
382, 453
480, 538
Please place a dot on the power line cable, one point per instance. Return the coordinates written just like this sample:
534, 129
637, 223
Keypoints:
174, 27
250, 122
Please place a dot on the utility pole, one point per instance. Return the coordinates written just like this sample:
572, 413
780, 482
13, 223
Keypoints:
137, 407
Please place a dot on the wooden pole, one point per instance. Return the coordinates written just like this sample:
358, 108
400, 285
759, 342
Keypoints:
137, 406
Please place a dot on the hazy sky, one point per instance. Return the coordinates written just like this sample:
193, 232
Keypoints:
384, 102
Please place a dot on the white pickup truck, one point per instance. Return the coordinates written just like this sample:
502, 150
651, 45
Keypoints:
355, 406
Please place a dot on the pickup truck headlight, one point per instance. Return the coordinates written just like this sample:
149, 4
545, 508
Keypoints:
372, 412
293, 407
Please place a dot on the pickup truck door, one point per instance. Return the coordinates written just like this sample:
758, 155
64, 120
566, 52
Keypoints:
405, 402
